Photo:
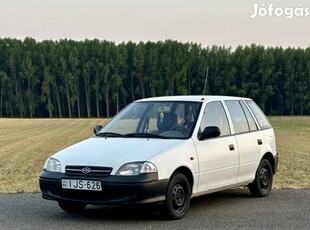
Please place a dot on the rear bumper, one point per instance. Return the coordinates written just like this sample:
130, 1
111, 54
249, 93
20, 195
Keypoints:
116, 190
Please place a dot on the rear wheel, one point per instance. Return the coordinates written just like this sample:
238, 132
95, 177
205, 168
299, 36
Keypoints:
177, 197
262, 184
69, 206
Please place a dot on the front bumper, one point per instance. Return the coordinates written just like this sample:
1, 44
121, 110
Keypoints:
116, 190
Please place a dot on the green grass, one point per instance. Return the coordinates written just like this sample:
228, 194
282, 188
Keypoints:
25, 144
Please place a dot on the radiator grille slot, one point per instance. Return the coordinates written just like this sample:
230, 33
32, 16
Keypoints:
88, 170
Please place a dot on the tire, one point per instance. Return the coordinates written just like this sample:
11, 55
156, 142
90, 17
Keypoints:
177, 197
69, 206
262, 184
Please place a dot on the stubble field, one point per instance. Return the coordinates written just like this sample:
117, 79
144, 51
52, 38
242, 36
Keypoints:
25, 144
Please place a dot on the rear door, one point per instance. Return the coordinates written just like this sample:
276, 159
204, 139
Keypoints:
249, 139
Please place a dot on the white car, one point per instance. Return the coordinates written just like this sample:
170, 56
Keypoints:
166, 150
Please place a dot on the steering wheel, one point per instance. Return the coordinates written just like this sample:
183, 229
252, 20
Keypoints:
180, 128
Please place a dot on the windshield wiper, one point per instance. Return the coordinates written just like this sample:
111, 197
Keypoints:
151, 135
109, 134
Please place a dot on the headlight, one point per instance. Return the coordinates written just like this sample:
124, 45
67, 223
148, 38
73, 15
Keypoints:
136, 168
52, 165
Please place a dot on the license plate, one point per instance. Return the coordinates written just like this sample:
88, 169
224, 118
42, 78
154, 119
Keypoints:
81, 184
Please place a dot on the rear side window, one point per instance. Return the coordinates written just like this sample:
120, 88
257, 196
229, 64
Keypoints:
259, 115
237, 116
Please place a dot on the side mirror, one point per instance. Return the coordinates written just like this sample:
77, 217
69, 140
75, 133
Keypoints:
97, 128
208, 132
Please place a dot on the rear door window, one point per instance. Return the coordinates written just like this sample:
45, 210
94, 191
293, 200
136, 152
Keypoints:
249, 117
237, 116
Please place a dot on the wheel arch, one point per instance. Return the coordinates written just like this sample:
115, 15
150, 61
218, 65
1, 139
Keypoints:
268, 156
187, 173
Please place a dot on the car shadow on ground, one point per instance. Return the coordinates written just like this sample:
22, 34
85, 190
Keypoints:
221, 200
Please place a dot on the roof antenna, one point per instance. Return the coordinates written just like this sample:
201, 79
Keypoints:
206, 80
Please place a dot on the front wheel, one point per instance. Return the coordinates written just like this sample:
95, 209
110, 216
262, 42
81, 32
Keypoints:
262, 184
69, 206
177, 197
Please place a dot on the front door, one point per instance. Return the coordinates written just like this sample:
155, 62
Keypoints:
218, 157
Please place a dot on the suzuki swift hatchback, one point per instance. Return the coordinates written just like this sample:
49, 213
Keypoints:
166, 150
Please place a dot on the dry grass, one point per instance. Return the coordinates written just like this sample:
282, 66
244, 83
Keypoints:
293, 146
25, 144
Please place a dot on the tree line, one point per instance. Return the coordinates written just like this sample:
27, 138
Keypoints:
94, 78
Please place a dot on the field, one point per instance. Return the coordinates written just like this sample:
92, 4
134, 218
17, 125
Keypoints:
25, 144
293, 146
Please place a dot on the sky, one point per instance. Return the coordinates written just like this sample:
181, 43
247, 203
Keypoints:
283, 23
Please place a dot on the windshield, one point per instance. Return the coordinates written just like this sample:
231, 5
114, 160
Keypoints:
172, 119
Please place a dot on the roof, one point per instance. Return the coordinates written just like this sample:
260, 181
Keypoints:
198, 98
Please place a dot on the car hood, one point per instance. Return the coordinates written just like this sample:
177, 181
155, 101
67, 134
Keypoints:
112, 151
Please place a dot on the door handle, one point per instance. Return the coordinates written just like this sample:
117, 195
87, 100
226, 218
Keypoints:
231, 147
259, 141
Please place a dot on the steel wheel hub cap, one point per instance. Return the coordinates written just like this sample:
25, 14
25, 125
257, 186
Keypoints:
264, 178
178, 196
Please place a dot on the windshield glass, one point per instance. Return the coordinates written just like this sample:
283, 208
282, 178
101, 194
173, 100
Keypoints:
169, 119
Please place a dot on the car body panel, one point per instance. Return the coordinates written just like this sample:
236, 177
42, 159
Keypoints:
218, 165
109, 152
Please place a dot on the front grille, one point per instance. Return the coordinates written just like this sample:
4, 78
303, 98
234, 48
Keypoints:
88, 171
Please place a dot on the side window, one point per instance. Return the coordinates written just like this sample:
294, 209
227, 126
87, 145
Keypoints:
259, 115
249, 117
214, 115
237, 116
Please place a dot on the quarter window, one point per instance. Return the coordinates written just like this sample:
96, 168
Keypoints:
259, 115
214, 115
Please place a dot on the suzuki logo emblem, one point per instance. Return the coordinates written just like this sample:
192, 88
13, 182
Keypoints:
86, 170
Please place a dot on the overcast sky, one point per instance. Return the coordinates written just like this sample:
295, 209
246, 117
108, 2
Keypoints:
209, 22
